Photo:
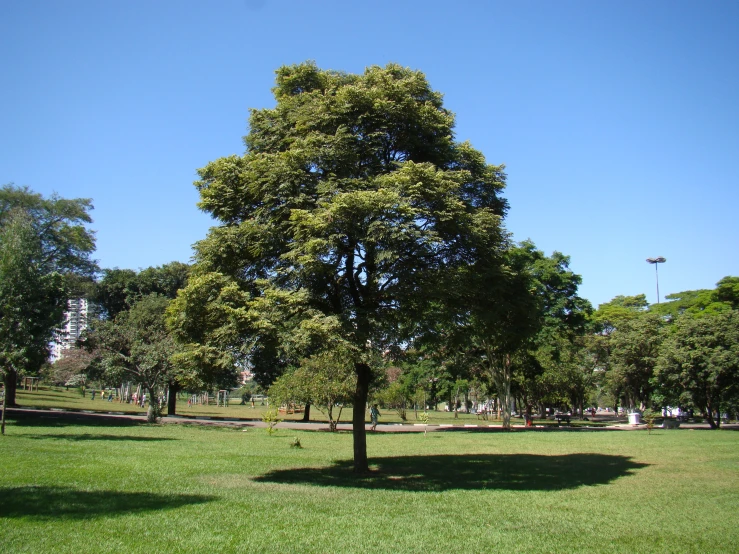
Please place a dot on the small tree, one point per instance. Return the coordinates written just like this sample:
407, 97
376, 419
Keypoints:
396, 397
137, 345
325, 380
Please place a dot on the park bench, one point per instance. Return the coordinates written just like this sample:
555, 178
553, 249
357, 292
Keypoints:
669, 423
562, 417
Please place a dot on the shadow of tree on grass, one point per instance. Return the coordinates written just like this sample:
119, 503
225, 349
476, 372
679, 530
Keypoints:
67, 503
21, 418
473, 471
91, 437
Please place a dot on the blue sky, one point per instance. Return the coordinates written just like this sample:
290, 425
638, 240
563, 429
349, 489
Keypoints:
618, 121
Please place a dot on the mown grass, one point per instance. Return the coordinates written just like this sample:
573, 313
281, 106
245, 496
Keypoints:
71, 399
123, 487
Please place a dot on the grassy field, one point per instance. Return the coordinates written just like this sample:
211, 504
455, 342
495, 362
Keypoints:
72, 399
82, 487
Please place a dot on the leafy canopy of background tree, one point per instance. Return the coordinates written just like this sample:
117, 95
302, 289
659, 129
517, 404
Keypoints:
354, 198
699, 363
119, 289
510, 310
704, 301
61, 245
551, 369
635, 349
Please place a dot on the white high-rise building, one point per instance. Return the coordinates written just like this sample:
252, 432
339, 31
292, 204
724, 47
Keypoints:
75, 322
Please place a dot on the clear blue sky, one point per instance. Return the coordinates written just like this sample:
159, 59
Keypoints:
618, 121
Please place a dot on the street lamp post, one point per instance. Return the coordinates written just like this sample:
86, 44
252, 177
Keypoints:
656, 261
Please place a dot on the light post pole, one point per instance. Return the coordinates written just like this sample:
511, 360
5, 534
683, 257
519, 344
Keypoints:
656, 261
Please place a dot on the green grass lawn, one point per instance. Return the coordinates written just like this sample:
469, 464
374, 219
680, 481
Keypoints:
53, 397
83, 487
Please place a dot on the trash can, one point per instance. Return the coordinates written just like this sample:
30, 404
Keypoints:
634, 418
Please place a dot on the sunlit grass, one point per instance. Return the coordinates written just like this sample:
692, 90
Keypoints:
72, 487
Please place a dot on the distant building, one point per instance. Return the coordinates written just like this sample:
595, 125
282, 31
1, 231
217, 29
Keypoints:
246, 376
75, 322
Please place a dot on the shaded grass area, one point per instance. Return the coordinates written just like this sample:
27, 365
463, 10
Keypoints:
521, 472
77, 486
69, 503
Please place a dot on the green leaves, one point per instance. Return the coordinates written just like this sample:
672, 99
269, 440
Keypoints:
32, 301
59, 224
699, 362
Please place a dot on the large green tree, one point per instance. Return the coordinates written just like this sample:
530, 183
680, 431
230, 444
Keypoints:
699, 363
635, 348
62, 245
354, 200
605, 321
32, 301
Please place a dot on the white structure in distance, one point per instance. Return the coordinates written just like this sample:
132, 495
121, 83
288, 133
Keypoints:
75, 322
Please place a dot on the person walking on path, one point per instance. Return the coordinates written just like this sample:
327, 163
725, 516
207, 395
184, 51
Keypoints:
374, 415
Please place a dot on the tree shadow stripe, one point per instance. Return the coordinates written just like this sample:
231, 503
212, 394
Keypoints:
67, 503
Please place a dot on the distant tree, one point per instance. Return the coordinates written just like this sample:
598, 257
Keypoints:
528, 304
705, 301
137, 345
74, 362
502, 315
354, 205
635, 348
557, 348
699, 363
605, 320
32, 301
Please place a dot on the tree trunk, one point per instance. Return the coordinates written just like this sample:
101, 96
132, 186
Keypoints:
152, 413
11, 383
2, 425
713, 423
359, 431
172, 398
306, 413
500, 367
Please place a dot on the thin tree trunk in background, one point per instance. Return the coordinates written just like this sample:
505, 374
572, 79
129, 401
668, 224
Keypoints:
11, 384
359, 431
2, 425
173, 389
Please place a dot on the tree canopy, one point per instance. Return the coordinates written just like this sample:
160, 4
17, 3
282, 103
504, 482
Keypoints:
60, 224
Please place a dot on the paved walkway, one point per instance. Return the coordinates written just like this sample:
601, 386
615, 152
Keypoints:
57, 414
